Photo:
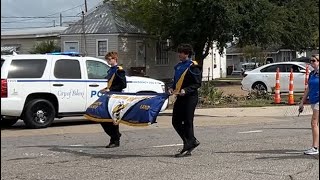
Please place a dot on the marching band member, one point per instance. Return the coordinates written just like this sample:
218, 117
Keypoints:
116, 83
187, 80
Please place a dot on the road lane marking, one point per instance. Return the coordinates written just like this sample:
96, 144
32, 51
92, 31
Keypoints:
246, 132
76, 145
294, 152
168, 145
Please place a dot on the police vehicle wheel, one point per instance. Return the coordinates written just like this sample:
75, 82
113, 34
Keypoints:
39, 113
8, 122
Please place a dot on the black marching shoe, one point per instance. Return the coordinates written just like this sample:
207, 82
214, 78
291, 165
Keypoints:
195, 144
113, 144
182, 154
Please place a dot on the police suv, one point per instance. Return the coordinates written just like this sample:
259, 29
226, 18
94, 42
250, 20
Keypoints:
39, 88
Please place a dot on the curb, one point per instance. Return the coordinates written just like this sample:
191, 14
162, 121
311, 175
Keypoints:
278, 111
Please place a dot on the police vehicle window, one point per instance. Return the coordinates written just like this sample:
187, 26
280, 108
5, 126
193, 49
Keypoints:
96, 69
67, 69
273, 68
27, 68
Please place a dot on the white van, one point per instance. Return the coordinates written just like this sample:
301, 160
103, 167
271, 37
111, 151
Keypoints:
39, 88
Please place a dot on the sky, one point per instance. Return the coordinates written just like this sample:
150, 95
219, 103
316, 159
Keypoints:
10, 9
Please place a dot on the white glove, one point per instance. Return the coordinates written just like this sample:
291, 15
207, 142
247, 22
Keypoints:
182, 92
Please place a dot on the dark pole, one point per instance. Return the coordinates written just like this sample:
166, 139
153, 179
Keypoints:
85, 6
60, 19
84, 35
145, 58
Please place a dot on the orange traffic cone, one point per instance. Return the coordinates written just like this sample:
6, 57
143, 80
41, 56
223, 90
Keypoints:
277, 98
290, 97
306, 78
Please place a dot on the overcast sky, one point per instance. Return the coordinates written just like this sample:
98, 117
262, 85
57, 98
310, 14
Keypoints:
27, 8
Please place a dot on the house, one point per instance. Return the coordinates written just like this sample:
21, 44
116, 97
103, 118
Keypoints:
236, 57
101, 31
23, 40
214, 65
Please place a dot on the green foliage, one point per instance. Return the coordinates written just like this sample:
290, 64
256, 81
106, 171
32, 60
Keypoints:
255, 94
261, 23
45, 47
196, 22
209, 96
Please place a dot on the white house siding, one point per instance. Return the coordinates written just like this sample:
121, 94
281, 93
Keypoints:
214, 65
91, 43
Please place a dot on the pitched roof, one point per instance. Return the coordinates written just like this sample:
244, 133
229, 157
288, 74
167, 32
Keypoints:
103, 20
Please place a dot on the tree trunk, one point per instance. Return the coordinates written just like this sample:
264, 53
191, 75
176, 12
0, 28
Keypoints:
201, 53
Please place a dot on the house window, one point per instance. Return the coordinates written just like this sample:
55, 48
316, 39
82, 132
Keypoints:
102, 47
140, 53
71, 46
162, 54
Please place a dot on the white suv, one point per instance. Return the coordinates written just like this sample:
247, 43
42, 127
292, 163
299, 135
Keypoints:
39, 88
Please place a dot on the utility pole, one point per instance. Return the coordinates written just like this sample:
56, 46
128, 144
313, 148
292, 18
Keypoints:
84, 35
54, 23
60, 19
85, 6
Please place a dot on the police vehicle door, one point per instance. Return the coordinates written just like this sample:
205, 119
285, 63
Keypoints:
68, 85
96, 72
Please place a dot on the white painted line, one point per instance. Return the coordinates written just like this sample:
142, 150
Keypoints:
294, 152
167, 145
246, 132
76, 145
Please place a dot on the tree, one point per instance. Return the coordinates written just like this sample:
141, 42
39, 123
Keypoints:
260, 23
43, 47
196, 22
251, 52
283, 23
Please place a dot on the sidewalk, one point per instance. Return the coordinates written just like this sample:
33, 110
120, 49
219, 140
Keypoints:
252, 111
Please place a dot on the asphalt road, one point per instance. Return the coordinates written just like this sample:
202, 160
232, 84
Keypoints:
232, 148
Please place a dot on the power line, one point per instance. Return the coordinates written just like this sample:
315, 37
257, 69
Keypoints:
29, 27
66, 9
8, 22
35, 18
32, 18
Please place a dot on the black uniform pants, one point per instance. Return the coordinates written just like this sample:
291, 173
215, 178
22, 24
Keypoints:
112, 130
182, 118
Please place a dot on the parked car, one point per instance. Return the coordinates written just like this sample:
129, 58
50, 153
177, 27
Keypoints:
39, 88
264, 78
